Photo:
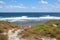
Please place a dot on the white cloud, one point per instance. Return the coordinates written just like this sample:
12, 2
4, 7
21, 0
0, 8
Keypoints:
14, 0
33, 7
58, 0
54, 7
2, 2
1, 6
57, 7
11, 6
16, 6
43, 2
22, 6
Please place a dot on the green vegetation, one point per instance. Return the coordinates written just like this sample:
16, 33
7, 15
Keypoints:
47, 29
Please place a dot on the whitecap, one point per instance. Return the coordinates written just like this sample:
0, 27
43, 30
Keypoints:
25, 18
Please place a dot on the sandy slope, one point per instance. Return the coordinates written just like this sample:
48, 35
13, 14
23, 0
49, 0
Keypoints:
14, 35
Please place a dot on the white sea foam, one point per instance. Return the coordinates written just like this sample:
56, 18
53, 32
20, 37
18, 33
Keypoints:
25, 18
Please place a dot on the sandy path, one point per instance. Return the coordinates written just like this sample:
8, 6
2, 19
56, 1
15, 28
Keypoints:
14, 36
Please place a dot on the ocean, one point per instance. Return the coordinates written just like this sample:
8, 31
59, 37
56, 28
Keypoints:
28, 18
29, 14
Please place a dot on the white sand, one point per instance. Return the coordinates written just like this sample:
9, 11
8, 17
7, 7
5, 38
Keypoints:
14, 36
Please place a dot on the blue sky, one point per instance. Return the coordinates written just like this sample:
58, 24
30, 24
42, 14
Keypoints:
29, 5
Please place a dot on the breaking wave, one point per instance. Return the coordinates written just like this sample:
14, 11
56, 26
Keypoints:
25, 18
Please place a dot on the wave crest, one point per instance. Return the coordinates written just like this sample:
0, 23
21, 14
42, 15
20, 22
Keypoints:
25, 18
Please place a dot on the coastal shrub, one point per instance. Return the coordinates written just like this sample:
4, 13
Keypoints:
3, 37
1, 30
47, 29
